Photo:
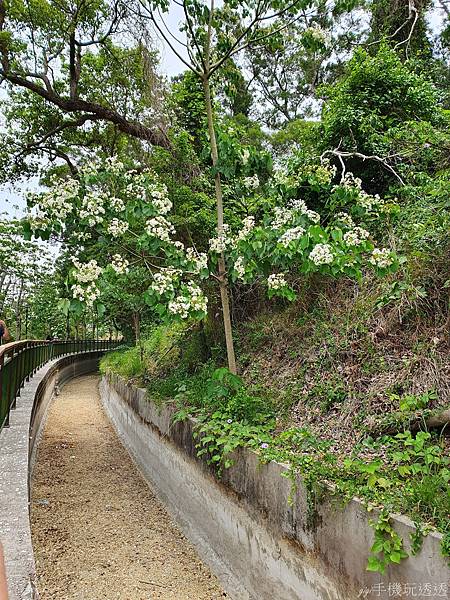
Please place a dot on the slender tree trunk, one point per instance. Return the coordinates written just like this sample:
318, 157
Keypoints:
223, 283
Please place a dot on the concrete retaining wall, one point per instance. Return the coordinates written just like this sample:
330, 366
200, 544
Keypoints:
245, 528
17, 453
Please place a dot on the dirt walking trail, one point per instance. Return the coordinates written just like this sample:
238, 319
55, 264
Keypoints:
98, 530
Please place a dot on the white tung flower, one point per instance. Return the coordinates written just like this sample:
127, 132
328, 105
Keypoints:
117, 227
356, 236
301, 207
318, 34
192, 299
86, 272
313, 216
369, 202
119, 264
88, 294
321, 254
239, 267
163, 281
291, 235
349, 181
222, 241
160, 228
276, 281
180, 306
200, 259
158, 194
282, 217
117, 204
92, 207
251, 183
247, 225
381, 257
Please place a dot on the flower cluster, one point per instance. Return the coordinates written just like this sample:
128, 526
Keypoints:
317, 34
239, 267
117, 204
58, 202
290, 235
350, 182
300, 206
369, 202
381, 258
222, 241
163, 281
356, 236
325, 172
86, 272
365, 200
161, 228
119, 264
191, 300
321, 254
200, 259
282, 216
113, 164
251, 183
38, 221
276, 281
160, 200
281, 177
345, 218
117, 227
82, 235
92, 208
87, 294
247, 225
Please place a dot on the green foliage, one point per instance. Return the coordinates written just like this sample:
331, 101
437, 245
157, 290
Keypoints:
163, 353
105, 82
126, 362
378, 98
387, 547
446, 545
391, 20
412, 403
189, 107
228, 417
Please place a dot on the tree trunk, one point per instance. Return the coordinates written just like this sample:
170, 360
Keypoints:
222, 275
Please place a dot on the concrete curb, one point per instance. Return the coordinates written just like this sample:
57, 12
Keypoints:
259, 543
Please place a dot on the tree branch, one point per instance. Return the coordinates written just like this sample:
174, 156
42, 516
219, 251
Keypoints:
71, 105
342, 154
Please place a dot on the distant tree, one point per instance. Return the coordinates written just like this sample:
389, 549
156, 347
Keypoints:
403, 23
72, 84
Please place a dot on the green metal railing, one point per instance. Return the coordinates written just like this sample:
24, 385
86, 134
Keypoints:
20, 360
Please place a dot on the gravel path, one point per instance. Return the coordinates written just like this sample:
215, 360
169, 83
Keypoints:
98, 530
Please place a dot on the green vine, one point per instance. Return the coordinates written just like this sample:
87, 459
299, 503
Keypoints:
387, 547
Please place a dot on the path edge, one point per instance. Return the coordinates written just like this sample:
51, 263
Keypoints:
18, 448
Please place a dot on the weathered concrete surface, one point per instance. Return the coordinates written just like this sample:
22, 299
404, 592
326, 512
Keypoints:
244, 527
17, 449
